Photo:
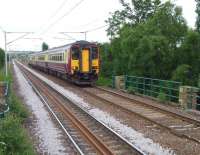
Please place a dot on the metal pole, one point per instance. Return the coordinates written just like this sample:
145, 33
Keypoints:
8, 58
85, 36
6, 54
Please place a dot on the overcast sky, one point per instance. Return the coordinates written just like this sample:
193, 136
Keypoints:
48, 17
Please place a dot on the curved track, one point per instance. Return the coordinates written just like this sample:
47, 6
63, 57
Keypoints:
87, 134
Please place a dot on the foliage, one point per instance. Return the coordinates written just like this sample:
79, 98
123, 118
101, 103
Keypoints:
3, 77
103, 81
162, 97
17, 107
2, 58
138, 13
14, 137
152, 40
198, 15
183, 73
131, 90
45, 46
199, 81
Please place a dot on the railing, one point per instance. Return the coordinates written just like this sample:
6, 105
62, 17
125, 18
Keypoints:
198, 101
162, 89
4, 96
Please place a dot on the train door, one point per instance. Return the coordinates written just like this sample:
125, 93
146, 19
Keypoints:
85, 60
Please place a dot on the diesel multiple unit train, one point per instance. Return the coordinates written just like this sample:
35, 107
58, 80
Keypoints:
78, 62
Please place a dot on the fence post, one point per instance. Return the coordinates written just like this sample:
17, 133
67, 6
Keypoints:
113, 81
125, 82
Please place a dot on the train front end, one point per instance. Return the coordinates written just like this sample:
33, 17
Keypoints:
84, 62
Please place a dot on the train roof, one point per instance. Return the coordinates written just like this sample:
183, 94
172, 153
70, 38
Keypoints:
64, 47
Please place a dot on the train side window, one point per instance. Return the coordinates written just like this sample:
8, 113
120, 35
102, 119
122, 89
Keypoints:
75, 53
94, 52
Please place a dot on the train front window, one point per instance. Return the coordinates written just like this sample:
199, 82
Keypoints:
94, 52
75, 53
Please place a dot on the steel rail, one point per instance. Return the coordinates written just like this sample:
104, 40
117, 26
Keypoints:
183, 117
111, 130
181, 135
93, 140
55, 116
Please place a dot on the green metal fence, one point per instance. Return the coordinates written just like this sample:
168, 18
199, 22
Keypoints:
164, 89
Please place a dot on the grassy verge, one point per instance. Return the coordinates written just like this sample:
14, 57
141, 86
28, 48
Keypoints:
104, 81
13, 136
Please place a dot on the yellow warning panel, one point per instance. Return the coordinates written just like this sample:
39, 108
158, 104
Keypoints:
85, 60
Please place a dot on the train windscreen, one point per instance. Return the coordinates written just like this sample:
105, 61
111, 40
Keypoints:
75, 53
94, 52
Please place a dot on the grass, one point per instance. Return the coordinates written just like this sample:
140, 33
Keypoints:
104, 81
14, 139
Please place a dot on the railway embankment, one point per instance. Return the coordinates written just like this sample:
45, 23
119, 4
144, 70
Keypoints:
14, 138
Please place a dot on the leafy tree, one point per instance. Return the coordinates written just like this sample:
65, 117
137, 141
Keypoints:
106, 59
148, 49
140, 11
198, 15
189, 53
144, 9
153, 40
2, 58
45, 46
183, 73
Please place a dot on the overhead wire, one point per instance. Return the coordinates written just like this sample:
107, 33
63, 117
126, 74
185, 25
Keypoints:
69, 36
97, 28
55, 12
58, 9
66, 14
21, 37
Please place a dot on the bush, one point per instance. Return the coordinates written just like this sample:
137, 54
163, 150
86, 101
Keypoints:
14, 137
104, 81
131, 90
162, 97
183, 73
17, 107
2, 58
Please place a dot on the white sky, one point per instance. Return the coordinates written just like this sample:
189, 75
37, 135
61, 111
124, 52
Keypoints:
36, 16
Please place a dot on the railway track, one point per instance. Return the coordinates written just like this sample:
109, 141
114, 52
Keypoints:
88, 135
178, 124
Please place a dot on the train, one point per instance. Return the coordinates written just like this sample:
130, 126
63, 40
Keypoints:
78, 62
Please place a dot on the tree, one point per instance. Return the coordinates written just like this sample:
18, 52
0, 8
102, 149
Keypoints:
140, 11
198, 15
154, 41
189, 53
144, 9
183, 73
2, 58
45, 46
149, 49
